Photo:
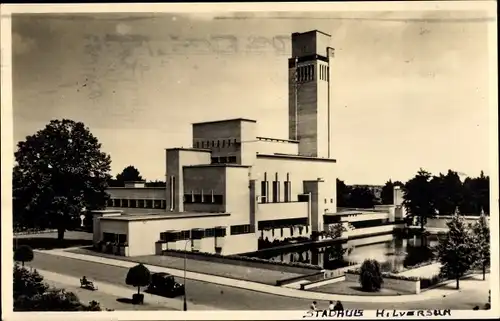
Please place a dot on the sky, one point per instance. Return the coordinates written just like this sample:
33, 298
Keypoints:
409, 89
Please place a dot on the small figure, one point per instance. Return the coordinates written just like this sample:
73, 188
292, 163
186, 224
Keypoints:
338, 306
331, 307
84, 280
313, 306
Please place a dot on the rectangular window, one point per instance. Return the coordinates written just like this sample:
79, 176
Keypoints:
149, 203
197, 198
132, 203
188, 198
218, 199
275, 192
140, 203
122, 238
108, 237
210, 232
263, 191
242, 229
214, 160
231, 159
157, 204
163, 204
223, 143
303, 197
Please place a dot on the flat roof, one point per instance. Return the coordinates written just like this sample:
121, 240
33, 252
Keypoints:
297, 157
277, 139
190, 149
217, 165
152, 217
310, 31
225, 120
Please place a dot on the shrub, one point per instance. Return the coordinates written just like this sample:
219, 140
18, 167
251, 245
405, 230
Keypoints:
31, 293
138, 276
370, 276
23, 253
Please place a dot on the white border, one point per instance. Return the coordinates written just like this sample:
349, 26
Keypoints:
7, 146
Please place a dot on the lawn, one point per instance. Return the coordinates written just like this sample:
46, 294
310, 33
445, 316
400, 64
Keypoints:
48, 241
353, 288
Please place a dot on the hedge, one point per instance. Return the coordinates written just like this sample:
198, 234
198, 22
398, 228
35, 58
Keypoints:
253, 259
390, 276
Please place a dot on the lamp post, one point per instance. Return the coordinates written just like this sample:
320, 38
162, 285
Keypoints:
185, 260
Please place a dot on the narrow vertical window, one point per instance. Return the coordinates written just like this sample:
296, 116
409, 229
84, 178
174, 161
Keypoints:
287, 188
313, 67
173, 194
263, 189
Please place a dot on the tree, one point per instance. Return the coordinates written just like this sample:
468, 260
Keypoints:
448, 192
418, 198
343, 192
23, 253
361, 197
455, 250
476, 195
129, 174
60, 171
138, 276
387, 193
370, 276
335, 252
155, 184
481, 238
31, 293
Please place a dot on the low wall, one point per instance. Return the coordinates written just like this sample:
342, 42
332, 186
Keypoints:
242, 262
298, 278
319, 283
411, 286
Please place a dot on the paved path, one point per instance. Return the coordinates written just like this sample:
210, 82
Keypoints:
120, 292
259, 287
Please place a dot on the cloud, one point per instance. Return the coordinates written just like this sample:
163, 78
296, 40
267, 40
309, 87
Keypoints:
22, 45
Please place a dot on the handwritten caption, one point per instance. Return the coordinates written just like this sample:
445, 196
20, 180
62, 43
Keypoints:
412, 313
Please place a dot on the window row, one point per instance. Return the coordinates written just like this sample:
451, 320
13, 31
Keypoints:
136, 203
324, 72
208, 198
292, 229
307, 73
242, 229
220, 143
224, 160
173, 236
114, 238
275, 193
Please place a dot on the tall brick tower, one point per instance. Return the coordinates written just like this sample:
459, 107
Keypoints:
310, 117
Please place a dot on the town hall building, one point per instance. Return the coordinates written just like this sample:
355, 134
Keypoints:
234, 186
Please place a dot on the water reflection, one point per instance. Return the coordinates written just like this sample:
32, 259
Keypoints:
393, 255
